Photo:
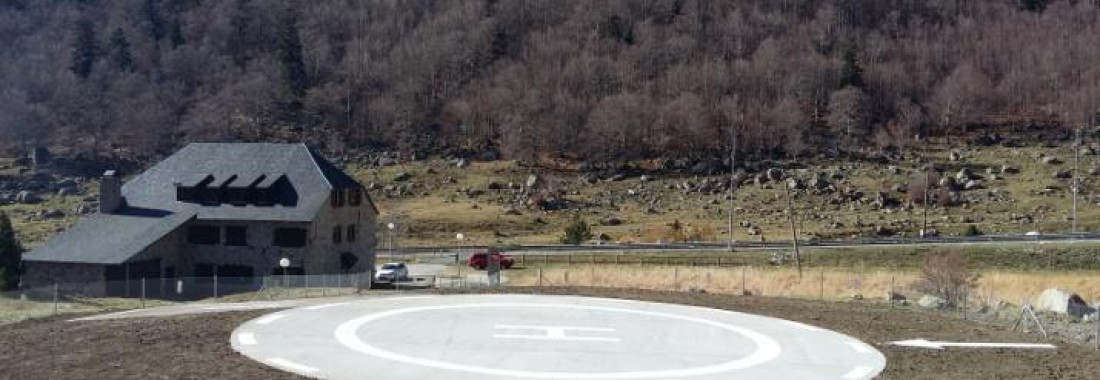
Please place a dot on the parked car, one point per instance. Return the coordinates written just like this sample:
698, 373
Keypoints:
480, 261
391, 272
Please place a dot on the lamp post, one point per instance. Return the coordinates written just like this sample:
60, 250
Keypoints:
284, 263
390, 226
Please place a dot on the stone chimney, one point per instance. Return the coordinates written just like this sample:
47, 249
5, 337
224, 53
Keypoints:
110, 193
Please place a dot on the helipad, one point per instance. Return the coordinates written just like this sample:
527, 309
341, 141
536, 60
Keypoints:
545, 337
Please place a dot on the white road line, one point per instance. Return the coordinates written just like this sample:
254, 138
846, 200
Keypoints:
404, 298
858, 372
862, 348
325, 306
269, 319
804, 326
247, 339
280, 362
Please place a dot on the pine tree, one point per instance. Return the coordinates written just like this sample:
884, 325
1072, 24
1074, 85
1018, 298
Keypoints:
175, 36
1033, 5
290, 54
154, 22
11, 255
851, 74
119, 52
85, 49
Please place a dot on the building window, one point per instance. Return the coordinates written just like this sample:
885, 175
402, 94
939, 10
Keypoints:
351, 233
290, 237
236, 236
336, 235
204, 235
355, 197
337, 198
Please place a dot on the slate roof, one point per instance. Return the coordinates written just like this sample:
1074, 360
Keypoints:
151, 210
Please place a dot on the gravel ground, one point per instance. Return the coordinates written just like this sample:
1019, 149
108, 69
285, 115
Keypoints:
197, 346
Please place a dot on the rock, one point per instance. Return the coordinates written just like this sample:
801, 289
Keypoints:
1062, 301
795, 184
402, 177
949, 183
511, 211
84, 208
461, 163
532, 181
617, 177
611, 221
651, 211
1062, 174
386, 161
1051, 160
643, 178
51, 214
819, 182
604, 237
893, 170
954, 156
490, 155
929, 301
754, 230
774, 174
495, 186
590, 178
1006, 169
965, 174
883, 231
67, 183
65, 191
973, 185
27, 197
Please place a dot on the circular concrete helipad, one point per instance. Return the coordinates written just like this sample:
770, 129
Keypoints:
462, 337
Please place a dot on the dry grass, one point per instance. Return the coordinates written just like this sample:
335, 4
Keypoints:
1009, 286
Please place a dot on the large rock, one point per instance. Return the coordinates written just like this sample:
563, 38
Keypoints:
532, 180
1062, 301
774, 174
27, 197
929, 301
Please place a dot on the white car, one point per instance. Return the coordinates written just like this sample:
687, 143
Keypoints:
391, 272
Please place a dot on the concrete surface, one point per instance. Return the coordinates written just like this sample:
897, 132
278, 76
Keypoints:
465, 337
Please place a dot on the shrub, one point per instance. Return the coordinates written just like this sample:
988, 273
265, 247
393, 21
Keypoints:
577, 232
946, 275
11, 255
972, 230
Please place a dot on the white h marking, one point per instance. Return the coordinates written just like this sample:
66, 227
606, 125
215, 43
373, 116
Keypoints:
554, 333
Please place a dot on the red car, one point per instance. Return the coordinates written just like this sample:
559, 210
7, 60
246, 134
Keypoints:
478, 260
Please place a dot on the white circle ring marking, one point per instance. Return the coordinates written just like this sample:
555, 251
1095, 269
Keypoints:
766, 348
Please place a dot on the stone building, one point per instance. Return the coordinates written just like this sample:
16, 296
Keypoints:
232, 210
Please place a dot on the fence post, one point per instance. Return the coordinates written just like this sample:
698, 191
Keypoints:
305, 284
143, 292
324, 282
742, 280
215, 285
55, 298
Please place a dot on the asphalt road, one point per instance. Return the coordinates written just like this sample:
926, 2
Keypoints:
496, 337
770, 245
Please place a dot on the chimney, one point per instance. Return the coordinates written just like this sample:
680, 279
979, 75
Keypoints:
110, 193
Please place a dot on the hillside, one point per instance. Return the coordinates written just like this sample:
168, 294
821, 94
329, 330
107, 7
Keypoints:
1006, 190
540, 79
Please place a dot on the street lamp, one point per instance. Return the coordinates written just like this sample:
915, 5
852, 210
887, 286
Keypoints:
391, 226
284, 263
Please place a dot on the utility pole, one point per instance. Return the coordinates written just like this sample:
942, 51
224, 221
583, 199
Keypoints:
1076, 178
733, 181
927, 184
794, 232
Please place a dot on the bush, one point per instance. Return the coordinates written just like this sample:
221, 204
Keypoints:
972, 230
577, 232
946, 275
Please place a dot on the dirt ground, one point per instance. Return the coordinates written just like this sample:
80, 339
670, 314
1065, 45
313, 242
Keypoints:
198, 346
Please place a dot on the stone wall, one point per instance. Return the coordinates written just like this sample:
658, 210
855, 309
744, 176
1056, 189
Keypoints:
84, 279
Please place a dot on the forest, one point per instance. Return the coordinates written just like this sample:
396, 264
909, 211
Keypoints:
529, 79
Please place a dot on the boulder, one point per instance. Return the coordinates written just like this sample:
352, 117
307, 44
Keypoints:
65, 191
1051, 160
386, 161
774, 174
402, 177
949, 183
1062, 301
532, 180
461, 163
795, 184
929, 301
495, 186
1006, 169
27, 197
511, 211
611, 221
972, 185
1062, 174
964, 174
954, 156
754, 230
